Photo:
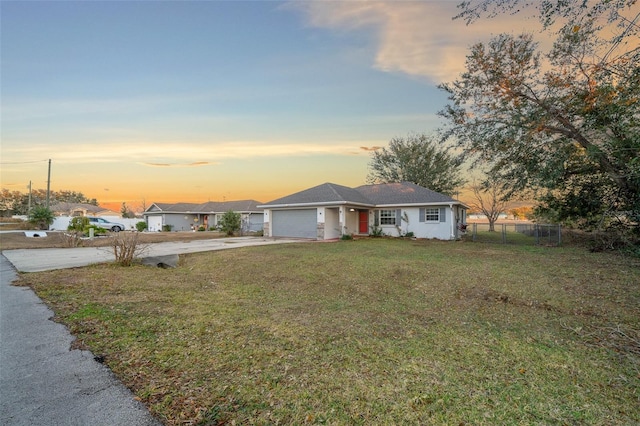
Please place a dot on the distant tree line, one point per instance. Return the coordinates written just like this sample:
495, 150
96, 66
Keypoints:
17, 203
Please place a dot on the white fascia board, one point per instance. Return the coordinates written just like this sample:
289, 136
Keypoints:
235, 211
449, 204
152, 205
415, 205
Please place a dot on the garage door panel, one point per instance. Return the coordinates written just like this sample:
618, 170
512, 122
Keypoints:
301, 223
154, 223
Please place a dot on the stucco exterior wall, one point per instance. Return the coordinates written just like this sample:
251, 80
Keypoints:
432, 229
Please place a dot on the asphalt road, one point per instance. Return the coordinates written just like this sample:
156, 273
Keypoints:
43, 382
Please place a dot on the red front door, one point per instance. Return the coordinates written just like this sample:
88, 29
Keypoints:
363, 220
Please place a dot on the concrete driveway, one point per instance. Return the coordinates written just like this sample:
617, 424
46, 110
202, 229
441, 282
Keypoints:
37, 260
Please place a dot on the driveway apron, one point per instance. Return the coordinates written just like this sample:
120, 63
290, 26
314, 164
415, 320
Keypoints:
42, 381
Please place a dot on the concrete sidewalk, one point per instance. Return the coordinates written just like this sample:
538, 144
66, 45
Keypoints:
37, 260
42, 381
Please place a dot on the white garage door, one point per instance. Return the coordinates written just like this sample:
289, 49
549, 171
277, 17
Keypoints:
154, 223
295, 223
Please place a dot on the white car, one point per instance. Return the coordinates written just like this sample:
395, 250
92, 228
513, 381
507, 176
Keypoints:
102, 223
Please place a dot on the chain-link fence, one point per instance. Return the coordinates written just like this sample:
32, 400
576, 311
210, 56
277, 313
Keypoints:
515, 233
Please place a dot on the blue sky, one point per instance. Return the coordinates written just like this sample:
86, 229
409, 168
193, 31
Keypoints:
197, 101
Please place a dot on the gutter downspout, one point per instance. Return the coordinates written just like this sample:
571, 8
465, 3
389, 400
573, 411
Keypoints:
453, 222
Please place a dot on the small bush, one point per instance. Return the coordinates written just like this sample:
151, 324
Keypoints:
41, 217
141, 226
126, 248
346, 237
77, 228
230, 222
615, 240
97, 231
167, 228
72, 239
376, 231
78, 224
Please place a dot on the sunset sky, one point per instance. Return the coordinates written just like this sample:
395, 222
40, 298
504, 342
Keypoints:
209, 101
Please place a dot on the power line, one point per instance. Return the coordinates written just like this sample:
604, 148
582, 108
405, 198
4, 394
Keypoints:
23, 162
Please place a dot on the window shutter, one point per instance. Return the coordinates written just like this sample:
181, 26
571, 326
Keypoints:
443, 214
376, 218
398, 217
422, 214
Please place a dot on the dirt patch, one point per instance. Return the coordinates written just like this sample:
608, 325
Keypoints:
489, 295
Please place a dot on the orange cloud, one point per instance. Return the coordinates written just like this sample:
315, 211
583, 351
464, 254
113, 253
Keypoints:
370, 148
194, 164
415, 38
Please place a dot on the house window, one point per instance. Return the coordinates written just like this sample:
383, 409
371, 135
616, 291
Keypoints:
429, 215
387, 217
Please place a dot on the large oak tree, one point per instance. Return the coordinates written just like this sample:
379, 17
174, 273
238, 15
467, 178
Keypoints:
419, 159
565, 122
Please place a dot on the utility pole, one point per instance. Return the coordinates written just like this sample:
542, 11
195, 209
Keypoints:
29, 205
48, 183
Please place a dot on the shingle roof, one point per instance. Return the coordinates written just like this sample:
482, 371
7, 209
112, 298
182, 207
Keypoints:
402, 193
321, 194
371, 195
209, 207
64, 207
225, 206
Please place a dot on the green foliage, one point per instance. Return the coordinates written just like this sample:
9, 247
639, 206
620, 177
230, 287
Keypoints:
419, 159
564, 123
346, 237
41, 216
81, 226
126, 212
167, 228
230, 222
77, 228
17, 202
141, 226
376, 232
78, 224
96, 230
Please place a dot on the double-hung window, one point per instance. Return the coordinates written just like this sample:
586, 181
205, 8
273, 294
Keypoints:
430, 215
387, 217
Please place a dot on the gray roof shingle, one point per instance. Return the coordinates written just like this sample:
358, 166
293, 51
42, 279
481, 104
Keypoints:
325, 193
209, 207
371, 195
402, 193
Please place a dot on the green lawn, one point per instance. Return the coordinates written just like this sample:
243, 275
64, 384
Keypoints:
373, 331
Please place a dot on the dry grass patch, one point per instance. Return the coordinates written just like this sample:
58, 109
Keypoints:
366, 332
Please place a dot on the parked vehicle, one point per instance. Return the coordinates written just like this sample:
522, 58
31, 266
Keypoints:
102, 223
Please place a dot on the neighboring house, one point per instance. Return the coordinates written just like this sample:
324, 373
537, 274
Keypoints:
329, 211
64, 212
81, 209
188, 216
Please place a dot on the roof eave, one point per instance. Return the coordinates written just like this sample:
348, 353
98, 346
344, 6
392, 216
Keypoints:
432, 203
315, 204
